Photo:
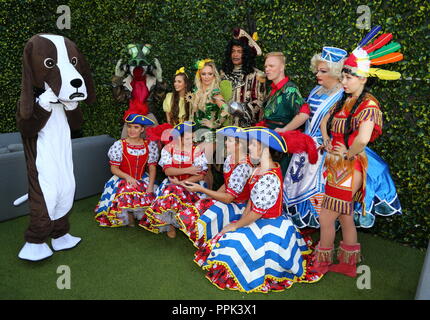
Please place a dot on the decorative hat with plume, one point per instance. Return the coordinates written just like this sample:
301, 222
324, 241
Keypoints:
241, 35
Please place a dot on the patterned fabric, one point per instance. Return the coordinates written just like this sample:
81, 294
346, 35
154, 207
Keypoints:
211, 112
304, 182
265, 192
283, 105
265, 255
118, 196
376, 179
169, 155
213, 220
115, 152
266, 199
207, 217
236, 177
162, 213
249, 90
172, 198
380, 198
187, 218
367, 110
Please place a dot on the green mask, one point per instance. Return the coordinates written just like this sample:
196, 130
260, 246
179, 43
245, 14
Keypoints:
138, 53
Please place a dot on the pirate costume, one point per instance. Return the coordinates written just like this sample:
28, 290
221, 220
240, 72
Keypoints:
248, 86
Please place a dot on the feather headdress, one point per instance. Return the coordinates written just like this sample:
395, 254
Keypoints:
380, 52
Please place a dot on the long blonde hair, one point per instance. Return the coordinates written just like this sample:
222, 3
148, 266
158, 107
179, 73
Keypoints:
201, 98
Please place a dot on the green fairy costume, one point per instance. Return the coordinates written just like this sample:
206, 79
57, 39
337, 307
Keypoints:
213, 113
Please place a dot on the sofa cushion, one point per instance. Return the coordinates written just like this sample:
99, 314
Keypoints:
15, 147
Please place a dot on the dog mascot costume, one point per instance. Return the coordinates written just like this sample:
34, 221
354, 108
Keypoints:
55, 76
139, 83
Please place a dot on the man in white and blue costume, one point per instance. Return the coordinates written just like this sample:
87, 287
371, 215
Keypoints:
303, 183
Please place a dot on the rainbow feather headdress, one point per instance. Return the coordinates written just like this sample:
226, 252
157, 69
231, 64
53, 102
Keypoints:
377, 53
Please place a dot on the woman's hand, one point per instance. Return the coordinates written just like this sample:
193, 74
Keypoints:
131, 181
339, 149
174, 180
207, 123
327, 145
219, 100
193, 170
228, 228
280, 129
192, 186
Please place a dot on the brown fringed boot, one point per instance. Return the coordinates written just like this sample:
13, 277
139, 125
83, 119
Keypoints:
348, 256
322, 259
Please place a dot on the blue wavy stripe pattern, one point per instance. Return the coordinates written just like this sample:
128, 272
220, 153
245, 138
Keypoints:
275, 244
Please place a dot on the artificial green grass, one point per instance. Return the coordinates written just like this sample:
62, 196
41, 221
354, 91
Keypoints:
132, 263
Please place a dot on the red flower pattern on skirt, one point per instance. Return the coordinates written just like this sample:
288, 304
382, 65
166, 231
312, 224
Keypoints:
190, 215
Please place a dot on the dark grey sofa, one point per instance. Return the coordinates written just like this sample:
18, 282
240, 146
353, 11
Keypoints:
90, 164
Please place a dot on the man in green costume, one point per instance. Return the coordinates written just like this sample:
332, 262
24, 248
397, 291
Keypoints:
285, 109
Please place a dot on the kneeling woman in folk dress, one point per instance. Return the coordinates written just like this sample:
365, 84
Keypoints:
209, 216
181, 161
263, 250
130, 190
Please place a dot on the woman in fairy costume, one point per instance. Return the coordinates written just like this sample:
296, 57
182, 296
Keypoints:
209, 110
208, 216
304, 182
131, 189
262, 240
181, 161
358, 181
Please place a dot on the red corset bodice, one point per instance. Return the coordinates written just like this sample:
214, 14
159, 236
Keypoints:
134, 165
178, 157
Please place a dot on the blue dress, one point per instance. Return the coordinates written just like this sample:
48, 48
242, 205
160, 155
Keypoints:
304, 183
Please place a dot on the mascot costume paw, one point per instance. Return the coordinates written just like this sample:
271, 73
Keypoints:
55, 77
139, 83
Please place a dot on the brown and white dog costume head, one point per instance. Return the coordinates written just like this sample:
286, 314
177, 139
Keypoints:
56, 62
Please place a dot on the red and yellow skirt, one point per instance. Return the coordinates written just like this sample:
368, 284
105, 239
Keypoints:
339, 194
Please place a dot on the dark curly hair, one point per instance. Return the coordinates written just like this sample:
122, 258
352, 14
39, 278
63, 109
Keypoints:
248, 57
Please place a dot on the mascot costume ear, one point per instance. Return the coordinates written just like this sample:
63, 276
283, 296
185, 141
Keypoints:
27, 84
55, 78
